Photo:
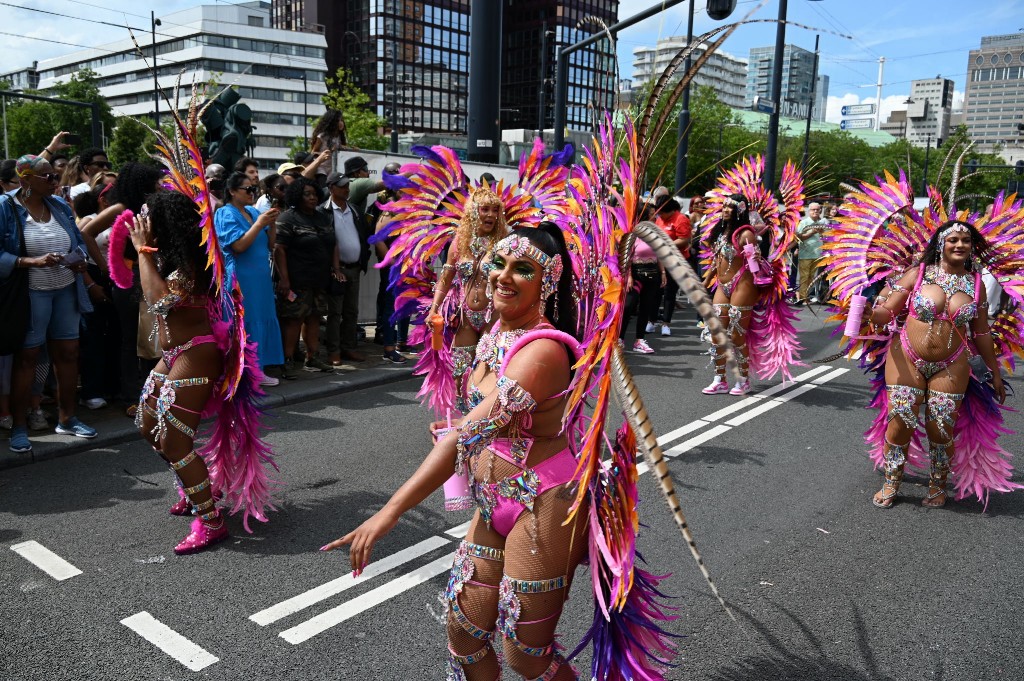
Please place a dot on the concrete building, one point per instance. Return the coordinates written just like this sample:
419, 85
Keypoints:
929, 109
797, 81
280, 74
895, 124
23, 79
724, 73
994, 96
432, 65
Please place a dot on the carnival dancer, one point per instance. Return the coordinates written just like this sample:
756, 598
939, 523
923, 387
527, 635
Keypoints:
436, 210
746, 237
207, 368
928, 340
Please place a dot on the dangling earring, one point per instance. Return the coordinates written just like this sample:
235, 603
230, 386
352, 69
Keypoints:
489, 294
555, 311
489, 290
28, 192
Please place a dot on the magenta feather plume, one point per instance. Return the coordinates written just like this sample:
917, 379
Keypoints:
120, 273
979, 465
772, 342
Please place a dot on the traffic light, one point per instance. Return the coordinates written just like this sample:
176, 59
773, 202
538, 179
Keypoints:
721, 9
228, 128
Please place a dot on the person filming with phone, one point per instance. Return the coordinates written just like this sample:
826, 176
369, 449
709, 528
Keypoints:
44, 294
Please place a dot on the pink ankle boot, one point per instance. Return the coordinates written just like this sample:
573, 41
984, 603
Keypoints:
202, 536
182, 507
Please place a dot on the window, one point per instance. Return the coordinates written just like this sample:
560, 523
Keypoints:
256, 21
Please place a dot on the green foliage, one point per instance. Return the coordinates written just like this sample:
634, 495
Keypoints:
361, 123
132, 141
31, 125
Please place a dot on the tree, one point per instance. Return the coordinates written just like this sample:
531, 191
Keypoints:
132, 141
361, 123
31, 125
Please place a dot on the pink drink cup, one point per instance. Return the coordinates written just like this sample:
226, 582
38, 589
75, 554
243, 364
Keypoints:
855, 317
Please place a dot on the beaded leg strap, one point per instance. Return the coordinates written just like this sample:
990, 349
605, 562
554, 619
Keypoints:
939, 454
208, 505
901, 403
510, 609
942, 410
462, 574
456, 662
894, 459
556, 663
735, 316
178, 465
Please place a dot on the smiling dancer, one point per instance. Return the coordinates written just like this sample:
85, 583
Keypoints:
924, 329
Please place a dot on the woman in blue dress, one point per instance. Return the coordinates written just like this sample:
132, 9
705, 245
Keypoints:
247, 238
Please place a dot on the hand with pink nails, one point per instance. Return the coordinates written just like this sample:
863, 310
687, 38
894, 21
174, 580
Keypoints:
362, 539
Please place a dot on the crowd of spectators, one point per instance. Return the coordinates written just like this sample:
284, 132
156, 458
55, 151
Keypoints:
297, 239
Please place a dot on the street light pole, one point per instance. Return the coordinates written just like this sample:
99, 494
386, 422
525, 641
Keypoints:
810, 106
683, 148
394, 97
927, 151
772, 149
305, 108
543, 78
153, 23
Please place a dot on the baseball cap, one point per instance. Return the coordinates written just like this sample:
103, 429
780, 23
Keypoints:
285, 167
337, 179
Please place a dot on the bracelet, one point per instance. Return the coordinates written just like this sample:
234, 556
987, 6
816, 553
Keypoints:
90, 285
148, 249
984, 333
17, 262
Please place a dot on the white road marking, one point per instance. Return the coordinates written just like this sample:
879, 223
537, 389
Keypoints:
46, 560
169, 641
696, 440
459, 531
347, 581
349, 609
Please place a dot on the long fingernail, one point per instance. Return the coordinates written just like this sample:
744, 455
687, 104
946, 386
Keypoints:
324, 547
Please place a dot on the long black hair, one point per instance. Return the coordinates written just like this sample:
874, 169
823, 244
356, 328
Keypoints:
549, 239
135, 182
979, 247
174, 219
739, 220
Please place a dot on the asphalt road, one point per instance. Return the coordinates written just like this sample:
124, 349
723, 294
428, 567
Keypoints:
823, 585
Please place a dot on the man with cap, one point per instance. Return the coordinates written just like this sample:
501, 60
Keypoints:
354, 256
357, 170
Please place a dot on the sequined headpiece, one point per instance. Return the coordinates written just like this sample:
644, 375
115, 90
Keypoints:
740, 206
955, 227
520, 247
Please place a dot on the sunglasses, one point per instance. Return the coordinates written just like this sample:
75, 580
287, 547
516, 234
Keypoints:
99, 164
49, 177
252, 189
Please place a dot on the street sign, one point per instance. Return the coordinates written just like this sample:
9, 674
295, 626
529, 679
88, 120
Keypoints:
764, 105
856, 123
858, 109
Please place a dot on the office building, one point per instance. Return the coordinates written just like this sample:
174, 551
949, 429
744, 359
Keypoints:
432, 58
280, 74
724, 73
820, 97
994, 96
895, 124
797, 81
929, 109
23, 79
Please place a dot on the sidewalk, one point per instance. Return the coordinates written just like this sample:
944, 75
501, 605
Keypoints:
115, 428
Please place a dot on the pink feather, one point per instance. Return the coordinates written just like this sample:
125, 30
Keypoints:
120, 273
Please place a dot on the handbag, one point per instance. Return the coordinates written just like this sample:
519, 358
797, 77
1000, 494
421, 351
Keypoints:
14, 303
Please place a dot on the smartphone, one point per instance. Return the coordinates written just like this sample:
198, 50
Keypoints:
72, 139
71, 259
291, 296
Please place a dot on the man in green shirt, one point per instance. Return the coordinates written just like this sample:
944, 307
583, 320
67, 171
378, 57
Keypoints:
361, 186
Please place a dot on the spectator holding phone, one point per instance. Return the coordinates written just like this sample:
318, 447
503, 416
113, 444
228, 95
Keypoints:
38, 233
248, 239
273, 193
91, 161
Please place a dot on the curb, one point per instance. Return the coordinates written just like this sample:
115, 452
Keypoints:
368, 378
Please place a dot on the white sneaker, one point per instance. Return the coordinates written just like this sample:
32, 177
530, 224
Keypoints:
95, 403
665, 331
650, 327
269, 381
814, 299
642, 347
719, 386
741, 387
37, 420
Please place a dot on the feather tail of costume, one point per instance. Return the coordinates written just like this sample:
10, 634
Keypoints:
980, 466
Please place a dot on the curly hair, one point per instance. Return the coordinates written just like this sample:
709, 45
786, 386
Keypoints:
548, 237
328, 126
293, 192
135, 182
175, 219
739, 220
979, 247
470, 221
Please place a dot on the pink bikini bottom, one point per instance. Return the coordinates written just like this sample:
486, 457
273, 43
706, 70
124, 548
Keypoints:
501, 503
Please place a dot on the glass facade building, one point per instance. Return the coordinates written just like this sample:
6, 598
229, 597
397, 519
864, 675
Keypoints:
430, 38
797, 81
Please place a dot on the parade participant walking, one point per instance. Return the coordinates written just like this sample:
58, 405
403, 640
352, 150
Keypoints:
207, 365
677, 225
928, 341
512, 573
248, 240
746, 237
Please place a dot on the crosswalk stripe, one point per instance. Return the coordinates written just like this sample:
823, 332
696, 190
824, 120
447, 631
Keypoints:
46, 560
168, 640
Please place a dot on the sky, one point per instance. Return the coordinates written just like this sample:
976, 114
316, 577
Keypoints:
918, 38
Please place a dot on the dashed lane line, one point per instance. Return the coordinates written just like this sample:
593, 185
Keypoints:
46, 560
349, 609
168, 640
336, 586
